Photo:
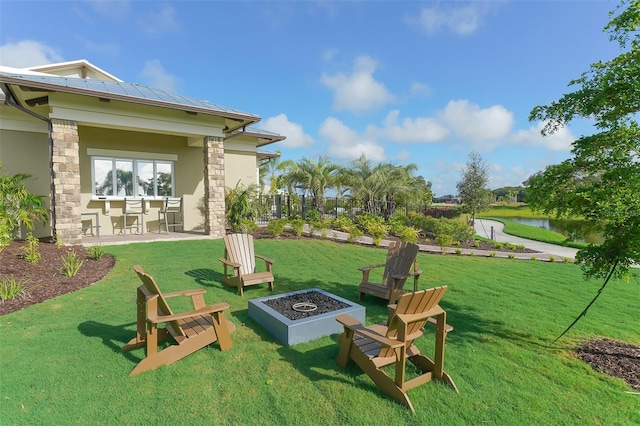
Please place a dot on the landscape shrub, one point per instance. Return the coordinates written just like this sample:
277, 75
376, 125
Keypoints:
409, 234
32, 250
71, 264
95, 252
10, 288
297, 226
343, 223
276, 227
444, 241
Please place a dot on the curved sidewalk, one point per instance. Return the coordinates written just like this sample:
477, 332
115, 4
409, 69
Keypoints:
485, 226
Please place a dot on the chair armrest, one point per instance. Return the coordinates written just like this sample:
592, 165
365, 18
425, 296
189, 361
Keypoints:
228, 262
206, 310
411, 274
368, 268
192, 292
266, 259
357, 327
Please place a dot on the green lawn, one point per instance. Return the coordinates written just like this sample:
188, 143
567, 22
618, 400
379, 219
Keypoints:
61, 361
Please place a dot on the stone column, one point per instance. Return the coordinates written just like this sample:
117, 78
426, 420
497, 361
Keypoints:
214, 221
66, 181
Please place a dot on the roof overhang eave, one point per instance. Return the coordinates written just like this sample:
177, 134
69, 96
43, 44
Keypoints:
242, 119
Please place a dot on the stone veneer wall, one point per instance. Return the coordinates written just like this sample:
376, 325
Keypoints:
214, 220
66, 181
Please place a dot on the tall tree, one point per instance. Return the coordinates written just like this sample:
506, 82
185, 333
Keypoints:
601, 182
316, 177
472, 187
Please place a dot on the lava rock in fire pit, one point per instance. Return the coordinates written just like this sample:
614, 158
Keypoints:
284, 305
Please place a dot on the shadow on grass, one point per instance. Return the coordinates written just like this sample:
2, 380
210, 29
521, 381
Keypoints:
113, 336
206, 277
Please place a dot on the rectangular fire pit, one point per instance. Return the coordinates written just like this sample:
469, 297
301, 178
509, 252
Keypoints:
291, 332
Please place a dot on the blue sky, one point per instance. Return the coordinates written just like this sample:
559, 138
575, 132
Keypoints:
424, 82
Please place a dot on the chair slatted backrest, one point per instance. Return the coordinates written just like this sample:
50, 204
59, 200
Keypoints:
172, 205
400, 258
418, 303
151, 289
239, 249
134, 206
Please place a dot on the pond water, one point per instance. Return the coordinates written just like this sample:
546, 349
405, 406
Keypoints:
568, 228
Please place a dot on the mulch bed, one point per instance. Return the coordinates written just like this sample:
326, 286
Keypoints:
44, 280
614, 358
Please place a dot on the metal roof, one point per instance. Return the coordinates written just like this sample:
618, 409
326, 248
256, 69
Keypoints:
130, 92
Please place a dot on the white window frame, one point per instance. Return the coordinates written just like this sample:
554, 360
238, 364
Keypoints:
134, 158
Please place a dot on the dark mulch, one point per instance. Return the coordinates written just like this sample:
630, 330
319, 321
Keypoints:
285, 305
43, 280
616, 359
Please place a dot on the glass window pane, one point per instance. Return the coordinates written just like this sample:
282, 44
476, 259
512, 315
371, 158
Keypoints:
164, 174
124, 178
103, 175
145, 178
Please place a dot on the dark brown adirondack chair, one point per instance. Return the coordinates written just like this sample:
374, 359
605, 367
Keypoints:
381, 345
400, 258
190, 330
240, 256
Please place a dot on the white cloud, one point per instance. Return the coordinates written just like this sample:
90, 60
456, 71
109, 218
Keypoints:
157, 77
410, 130
476, 124
329, 54
462, 20
346, 144
116, 10
420, 89
28, 53
160, 21
561, 140
359, 91
296, 137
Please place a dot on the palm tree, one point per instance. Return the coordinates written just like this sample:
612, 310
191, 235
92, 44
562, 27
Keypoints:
314, 177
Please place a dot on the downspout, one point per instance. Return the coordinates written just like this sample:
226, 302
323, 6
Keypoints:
9, 100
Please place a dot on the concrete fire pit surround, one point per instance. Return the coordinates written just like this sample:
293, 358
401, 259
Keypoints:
292, 332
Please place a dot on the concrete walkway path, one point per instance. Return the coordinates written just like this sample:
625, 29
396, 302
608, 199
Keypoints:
484, 228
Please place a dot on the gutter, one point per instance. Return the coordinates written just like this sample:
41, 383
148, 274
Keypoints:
9, 100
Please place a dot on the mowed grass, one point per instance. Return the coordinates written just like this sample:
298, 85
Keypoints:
61, 361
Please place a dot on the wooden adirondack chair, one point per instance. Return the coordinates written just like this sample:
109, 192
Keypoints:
400, 257
240, 256
381, 345
190, 330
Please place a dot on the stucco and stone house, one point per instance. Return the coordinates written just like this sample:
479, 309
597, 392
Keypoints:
89, 140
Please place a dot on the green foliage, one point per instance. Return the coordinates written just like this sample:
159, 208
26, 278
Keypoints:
297, 225
444, 241
95, 252
601, 181
511, 256
276, 227
241, 203
18, 206
458, 230
32, 250
343, 223
378, 231
552, 259
248, 225
472, 188
354, 232
409, 234
71, 264
397, 223
313, 216
10, 288
492, 254
458, 251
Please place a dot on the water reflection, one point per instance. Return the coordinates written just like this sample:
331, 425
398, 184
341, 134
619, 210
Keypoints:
568, 228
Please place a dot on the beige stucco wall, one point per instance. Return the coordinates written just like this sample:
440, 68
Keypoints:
239, 166
28, 152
